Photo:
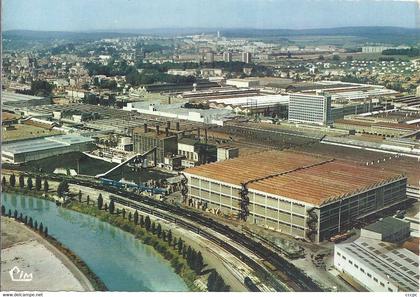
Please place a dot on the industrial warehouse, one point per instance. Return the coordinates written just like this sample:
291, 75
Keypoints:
302, 195
38, 148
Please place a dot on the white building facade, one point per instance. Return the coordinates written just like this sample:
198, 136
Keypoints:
378, 266
310, 109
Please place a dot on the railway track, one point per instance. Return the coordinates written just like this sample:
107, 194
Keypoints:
289, 274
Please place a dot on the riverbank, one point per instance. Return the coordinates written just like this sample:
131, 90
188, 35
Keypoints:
51, 267
195, 282
168, 252
50, 242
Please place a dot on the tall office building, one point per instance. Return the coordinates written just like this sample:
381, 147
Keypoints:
312, 109
246, 57
227, 57
210, 57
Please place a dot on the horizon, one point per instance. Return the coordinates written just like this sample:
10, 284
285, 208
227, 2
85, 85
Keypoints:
119, 30
120, 15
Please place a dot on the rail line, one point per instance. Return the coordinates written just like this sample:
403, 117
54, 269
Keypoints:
286, 271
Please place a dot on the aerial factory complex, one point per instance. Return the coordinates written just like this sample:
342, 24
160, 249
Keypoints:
278, 164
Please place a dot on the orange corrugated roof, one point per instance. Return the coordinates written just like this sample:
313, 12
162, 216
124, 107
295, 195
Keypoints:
325, 178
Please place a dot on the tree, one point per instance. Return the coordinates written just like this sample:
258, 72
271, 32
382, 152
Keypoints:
100, 201
142, 221
46, 231
184, 251
41, 227
9, 214
147, 223
106, 207
3, 210
336, 58
136, 217
111, 206
41, 88
215, 283
15, 214
3, 181
191, 259
159, 230
174, 242
219, 284
38, 183
30, 222
169, 237
30, 183
123, 213
198, 263
80, 195
180, 243
21, 217
25, 220
163, 235
129, 216
36, 225
87, 199
153, 227
21, 181
211, 281
12, 180
46, 186
63, 187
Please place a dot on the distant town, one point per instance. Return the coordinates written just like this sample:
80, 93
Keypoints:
249, 160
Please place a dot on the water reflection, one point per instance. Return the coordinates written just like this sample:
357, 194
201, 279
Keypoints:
122, 262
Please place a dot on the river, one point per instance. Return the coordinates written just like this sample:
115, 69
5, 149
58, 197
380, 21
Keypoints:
122, 262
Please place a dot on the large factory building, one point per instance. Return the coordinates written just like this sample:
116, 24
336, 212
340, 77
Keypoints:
299, 194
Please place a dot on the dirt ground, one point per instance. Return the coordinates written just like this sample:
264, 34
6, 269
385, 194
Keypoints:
32, 254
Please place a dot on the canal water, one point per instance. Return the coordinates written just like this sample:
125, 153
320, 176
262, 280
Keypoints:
122, 262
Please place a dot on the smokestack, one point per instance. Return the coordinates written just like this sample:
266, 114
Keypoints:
157, 130
177, 126
167, 131
198, 133
205, 135
168, 124
145, 128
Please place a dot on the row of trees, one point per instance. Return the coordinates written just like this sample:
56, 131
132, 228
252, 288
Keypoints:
39, 88
193, 258
27, 221
39, 184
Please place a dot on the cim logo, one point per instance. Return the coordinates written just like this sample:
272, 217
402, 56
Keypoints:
18, 275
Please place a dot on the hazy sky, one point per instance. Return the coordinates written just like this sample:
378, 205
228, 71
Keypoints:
79, 15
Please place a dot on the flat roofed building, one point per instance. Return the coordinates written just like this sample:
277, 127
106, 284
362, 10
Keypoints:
21, 100
227, 57
299, 194
246, 57
378, 266
311, 109
388, 229
145, 140
39, 148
